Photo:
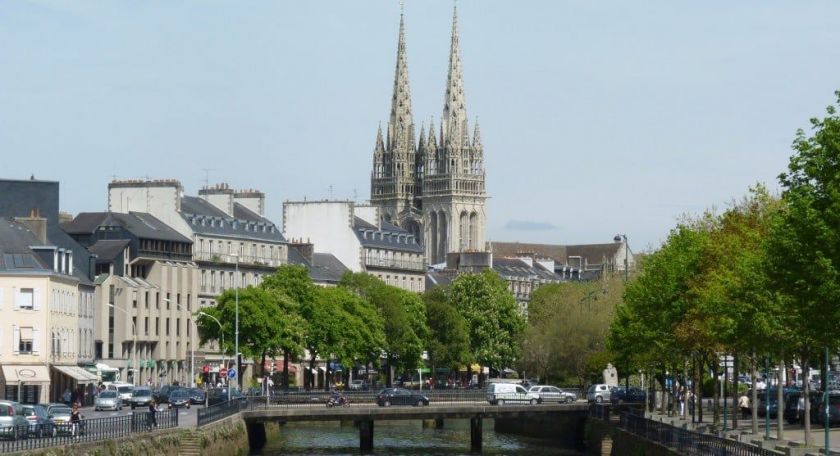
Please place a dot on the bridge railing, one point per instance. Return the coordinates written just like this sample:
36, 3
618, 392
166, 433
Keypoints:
221, 410
88, 430
687, 442
302, 399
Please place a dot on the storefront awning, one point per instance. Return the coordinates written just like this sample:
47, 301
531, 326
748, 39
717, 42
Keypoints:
476, 368
76, 372
26, 374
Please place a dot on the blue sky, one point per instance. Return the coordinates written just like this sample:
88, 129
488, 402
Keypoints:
597, 117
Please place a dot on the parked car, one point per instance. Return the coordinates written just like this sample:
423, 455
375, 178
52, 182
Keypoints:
548, 393
140, 397
358, 385
123, 389
598, 393
108, 400
400, 396
59, 414
179, 398
219, 395
12, 422
833, 410
39, 422
774, 401
502, 393
197, 396
162, 395
621, 395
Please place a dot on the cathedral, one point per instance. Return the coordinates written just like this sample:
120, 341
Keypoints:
432, 186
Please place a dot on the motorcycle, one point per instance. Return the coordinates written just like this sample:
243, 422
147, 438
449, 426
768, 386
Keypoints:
338, 401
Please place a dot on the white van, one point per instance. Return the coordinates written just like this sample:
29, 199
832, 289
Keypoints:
502, 393
124, 390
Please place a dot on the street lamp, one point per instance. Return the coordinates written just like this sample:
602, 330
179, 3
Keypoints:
221, 331
236, 332
133, 343
192, 345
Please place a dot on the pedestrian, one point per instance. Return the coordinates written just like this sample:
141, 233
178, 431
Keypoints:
681, 400
744, 405
151, 419
690, 398
67, 396
75, 420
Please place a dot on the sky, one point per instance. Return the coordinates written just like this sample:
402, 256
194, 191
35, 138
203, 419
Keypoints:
597, 117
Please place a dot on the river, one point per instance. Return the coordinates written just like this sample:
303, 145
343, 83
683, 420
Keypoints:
403, 438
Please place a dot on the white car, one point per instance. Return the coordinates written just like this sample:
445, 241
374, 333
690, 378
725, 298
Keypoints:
108, 400
503, 393
548, 393
124, 390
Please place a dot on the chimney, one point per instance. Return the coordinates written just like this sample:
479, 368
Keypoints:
35, 223
306, 249
220, 196
252, 199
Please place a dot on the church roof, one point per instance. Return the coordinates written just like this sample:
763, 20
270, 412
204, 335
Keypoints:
389, 237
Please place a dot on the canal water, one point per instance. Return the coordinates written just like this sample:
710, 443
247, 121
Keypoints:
407, 438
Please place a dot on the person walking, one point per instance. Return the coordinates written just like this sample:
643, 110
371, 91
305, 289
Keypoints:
151, 420
744, 405
690, 398
75, 420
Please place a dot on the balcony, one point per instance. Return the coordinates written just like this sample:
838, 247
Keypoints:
409, 265
244, 260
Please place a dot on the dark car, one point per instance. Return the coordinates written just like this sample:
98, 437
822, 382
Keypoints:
162, 395
833, 410
400, 396
39, 422
774, 401
140, 397
621, 395
197, 395
219, 395
179, 398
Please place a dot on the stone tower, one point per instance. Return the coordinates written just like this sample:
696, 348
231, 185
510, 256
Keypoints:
435, 188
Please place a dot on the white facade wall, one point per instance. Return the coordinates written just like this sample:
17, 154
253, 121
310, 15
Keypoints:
368, 213
252, 200
328, 225
161, 199
222, 200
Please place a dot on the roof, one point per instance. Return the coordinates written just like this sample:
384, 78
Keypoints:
442, 278
16, 253
140, 224
390, 237
205, 218
595, 254
107, 249
323, 268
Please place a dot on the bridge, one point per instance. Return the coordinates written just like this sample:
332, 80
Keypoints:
257, 411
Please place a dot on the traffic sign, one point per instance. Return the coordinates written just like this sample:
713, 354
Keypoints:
223, 372
231, 373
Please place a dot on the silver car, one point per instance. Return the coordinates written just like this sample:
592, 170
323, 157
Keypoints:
108, 400
548, 393
12, 422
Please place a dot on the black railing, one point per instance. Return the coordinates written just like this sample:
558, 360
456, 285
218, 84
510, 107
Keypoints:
31, 436
221, 410
360, 398
599, 411
688, 442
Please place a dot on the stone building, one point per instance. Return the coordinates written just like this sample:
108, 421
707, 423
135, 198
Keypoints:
432, 187
573, 262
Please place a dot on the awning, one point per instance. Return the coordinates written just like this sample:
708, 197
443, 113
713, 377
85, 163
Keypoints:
322, 368
25, 374
77, 373
475, 368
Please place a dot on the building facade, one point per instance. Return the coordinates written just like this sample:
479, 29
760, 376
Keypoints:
433, 187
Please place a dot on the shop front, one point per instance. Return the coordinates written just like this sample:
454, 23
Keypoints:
26, 383
78, 381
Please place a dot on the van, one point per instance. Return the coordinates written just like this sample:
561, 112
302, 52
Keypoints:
598, 393
124, 390
502, 393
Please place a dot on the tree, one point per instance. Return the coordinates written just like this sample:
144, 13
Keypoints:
492, 317
404, 318
448, 343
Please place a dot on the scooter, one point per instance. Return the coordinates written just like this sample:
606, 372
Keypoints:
338, 401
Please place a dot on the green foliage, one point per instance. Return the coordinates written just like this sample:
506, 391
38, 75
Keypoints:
448, 341
492, 316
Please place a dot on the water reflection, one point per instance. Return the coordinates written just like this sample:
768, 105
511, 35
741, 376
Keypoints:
403, 438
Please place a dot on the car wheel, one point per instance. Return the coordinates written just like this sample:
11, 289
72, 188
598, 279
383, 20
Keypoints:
598, 399
188, 405
568, 400
533, 402
500, 402
420, 403
387, 403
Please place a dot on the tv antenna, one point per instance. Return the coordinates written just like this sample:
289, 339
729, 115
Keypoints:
207, 175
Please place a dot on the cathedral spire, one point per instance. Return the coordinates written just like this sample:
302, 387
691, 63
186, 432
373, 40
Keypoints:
380, 144
477, 136
401, 124
454, 121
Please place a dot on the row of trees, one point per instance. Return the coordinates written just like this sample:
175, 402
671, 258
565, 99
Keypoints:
758, 280
364, 321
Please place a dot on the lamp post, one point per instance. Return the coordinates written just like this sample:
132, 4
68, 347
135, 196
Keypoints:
618, 238
221, 331
133, 343
192, 345
236, 330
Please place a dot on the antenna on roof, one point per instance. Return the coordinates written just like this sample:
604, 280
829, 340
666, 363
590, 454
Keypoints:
207, 175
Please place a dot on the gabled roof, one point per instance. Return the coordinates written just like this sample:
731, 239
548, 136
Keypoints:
16, 253
324, 267
140, 224
107, 249
204, 218
389, 237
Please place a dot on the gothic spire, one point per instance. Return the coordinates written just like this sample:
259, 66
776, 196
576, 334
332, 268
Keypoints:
477, 136
401, 124
380, 144
454, 121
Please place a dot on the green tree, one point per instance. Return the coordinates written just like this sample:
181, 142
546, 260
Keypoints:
492, 316
448, 343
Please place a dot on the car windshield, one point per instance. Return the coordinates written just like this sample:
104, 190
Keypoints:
142, 392
180, 393
60, 411
125, 389
108, 394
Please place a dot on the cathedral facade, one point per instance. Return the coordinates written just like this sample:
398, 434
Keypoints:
431, 184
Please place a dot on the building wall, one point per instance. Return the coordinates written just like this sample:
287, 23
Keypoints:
328, 225
159, 198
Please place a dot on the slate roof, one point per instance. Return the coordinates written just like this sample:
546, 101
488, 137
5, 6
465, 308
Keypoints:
390, 237
204, 218
140, 224
15, 251
511, 267
595, 254
442, 278
324, 267
107, 249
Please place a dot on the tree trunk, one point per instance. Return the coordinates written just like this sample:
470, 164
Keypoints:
735, 409
312, 370
754, 393
262, 366
716, 392
780, 398
806, 383
699, 397
286, 356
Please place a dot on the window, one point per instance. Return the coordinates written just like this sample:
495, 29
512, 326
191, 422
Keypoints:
25, 341
189, 303
168, 301
189, 329
178, 327
133, 326
112, 292
146, 325
157, 326
147, 299
134, 299
167, 326
157, 300
26, 298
